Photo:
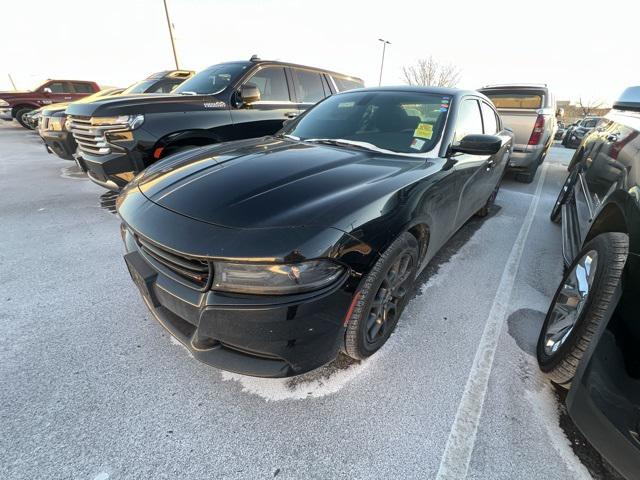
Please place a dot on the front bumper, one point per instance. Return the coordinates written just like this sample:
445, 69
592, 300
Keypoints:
61, 143
112, 171
263, 336
5, 113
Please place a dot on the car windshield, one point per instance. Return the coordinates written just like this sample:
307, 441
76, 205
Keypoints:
139, 87
212, 80
590, 123
391, 121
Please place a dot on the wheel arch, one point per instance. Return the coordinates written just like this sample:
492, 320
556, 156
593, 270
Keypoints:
20, 106
610, 218
188, 137
422, 233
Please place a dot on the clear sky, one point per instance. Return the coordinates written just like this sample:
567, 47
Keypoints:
580, 48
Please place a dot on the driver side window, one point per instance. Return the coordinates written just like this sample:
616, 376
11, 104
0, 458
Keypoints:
469, 120
272, 84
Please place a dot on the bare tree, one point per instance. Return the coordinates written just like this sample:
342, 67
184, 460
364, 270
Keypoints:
430, 72
588, 106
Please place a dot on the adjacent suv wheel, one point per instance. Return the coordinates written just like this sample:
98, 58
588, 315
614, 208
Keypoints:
579, 305
20, 117
529, 174
382, 297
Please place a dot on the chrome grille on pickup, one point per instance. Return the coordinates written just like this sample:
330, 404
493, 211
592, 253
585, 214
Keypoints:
195, 271
91, 138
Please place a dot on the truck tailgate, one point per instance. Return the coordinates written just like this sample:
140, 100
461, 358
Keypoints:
521, 122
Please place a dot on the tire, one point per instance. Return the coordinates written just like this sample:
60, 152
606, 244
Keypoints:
361, 337
563, 197
559, 350
529, 175
20, 120
484, 211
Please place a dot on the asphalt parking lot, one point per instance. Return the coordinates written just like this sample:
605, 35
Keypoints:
93, 388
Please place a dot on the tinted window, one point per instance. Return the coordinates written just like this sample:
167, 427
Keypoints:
213, 80
515, 100
489, 118
590, 123
58, 87
140, 87
308, 86
272, 84
469, 121
165, 86
346, 84
82, 88
400, 122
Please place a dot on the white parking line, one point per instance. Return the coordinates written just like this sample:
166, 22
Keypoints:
462, 438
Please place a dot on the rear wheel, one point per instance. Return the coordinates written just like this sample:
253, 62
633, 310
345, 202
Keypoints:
528, 175
382, 298
579, 306
20, 117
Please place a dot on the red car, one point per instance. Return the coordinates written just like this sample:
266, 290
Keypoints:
15, 105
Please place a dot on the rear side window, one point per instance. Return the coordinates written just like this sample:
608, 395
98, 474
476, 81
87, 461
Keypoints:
58, 87
82, 87
522, 100
272, 84
469, 121
309, 87
345, 83
489, 119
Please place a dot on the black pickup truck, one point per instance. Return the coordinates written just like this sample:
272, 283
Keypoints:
120, 136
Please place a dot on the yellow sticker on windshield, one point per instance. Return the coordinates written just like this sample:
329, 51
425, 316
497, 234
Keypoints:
424, 130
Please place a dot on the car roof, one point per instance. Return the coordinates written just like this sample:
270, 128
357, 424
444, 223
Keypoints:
295, 65
452, 92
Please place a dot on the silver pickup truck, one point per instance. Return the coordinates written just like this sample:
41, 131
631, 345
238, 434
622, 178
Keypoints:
530, 111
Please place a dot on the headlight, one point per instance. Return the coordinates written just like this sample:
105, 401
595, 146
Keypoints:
275, 279
126, 121
55, 124
3, 103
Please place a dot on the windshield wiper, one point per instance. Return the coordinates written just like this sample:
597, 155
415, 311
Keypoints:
187, 93
339, 142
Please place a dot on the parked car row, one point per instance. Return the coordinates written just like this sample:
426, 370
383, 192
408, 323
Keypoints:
274, 215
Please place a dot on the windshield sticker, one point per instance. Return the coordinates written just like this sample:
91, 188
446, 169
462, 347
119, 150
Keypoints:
417, 144
424, 130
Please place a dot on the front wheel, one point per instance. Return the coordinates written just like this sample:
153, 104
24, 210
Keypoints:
579, 306
20, 117
382, 298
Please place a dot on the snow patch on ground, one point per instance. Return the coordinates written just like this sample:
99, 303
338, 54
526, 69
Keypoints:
177, 342
324, 381
546, 407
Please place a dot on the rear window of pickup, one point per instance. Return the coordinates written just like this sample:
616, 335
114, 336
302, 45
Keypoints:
524, 100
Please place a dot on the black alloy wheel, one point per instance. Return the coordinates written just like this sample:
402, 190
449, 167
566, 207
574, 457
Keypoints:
382, 298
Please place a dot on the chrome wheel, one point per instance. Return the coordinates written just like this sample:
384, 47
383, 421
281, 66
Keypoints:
570, 302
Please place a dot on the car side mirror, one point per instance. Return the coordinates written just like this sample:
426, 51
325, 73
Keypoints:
47, 90
249, 93
478, 145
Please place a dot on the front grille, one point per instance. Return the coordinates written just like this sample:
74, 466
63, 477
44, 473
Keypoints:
90, 138
195, 271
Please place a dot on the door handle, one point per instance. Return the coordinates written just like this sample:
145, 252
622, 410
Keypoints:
291, 114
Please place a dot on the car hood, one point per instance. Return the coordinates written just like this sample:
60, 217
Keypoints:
144, 103
273, 182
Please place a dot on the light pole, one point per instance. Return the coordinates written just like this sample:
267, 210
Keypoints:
173, 45
384, 47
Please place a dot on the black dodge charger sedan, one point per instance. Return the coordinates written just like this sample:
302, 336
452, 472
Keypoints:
590, 338
268, 256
